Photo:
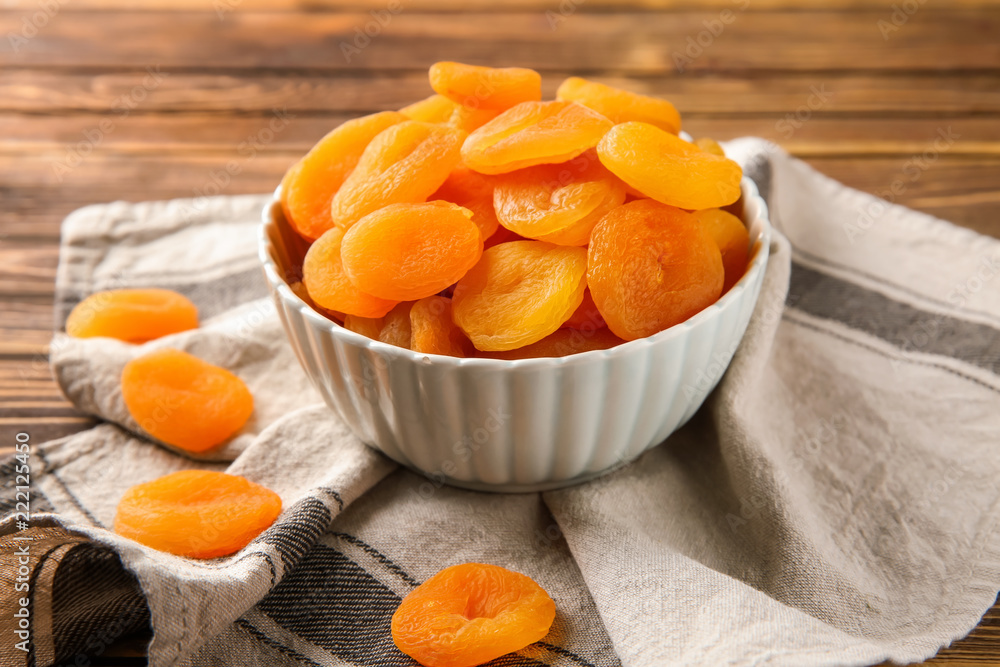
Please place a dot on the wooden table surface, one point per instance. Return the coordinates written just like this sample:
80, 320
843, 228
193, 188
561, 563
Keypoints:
100, 101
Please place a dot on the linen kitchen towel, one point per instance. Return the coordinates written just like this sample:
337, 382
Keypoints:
836, 501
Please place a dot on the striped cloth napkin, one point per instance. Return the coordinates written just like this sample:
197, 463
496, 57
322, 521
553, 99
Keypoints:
835, 502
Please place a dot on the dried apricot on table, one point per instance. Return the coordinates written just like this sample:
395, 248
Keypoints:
473, 191
533, 133
485, 87
519, 293
196, 513
733, 240
558, 203
620, 106
434, 331
132, 315
184, 401
408, 251
669, 169
651, 266
309, 186
405, 163
328, 285
562, 343
469, 614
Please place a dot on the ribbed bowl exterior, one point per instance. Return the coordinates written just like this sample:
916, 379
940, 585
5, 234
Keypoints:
523, 425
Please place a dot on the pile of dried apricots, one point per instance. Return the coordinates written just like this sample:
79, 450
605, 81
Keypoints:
483, 221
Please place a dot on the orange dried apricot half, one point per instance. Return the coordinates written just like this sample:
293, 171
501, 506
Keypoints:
562, 343
132, 315
473, 191
396, 326
434, 331
519, 293
196, 513
309, 186
184, 401
558, 203
710, 145
669, 169
328, 285
651, 266
733, 240
405, 163
433, 109
469, 614
620, 106
533, 133
485, 87
408, 251
366, 326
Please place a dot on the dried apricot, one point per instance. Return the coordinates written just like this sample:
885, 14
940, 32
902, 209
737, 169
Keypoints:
669, 169
196, 513
733, 240
433, 109
485, 87
396, 326
405, 163
473, 191
469, 120
620, 106
586, 317
469, 614
309, 186
519, 293
183, 401
132, 315
533, 133
710, 146
434, 331
503, 235
651, 266
558, 203
408, 251
328, 285
299, 289
562, 343
366, 326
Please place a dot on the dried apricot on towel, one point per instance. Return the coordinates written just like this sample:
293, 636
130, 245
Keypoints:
328, 285
619, 105
309, 186
469, 614
479, 87
651, 266
405, 252
533, 133
405, 163
132, 315
196, 513
519, 293
669, 169
184, 401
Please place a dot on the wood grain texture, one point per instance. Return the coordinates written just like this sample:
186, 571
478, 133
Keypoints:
189, 87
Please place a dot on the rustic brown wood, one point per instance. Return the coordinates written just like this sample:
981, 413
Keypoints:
614, 42
224, 66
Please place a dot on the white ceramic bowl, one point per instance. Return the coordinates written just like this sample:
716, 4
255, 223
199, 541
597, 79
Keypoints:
524, 425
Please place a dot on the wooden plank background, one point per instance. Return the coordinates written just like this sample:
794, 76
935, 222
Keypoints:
857, 88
